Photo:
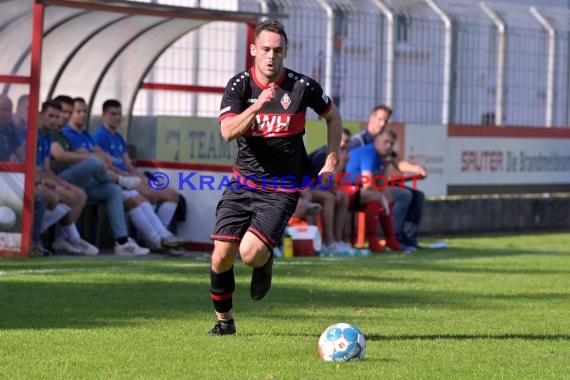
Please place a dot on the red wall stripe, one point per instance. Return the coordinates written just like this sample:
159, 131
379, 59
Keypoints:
14, 79
184, 166
492, 131
182, 87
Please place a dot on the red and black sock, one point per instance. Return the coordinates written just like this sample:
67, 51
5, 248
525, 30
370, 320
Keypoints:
222, 290
371, 220
389, 231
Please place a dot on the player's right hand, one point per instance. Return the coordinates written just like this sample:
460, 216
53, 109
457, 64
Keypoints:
50, 184
266, 96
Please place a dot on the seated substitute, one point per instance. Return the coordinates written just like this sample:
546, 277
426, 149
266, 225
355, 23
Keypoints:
334, 201
155, 234
67, 238
11, 148
108, 138
90, 174
377, 121
407, 202
364, 163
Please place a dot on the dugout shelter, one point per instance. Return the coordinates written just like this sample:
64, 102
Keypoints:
94, 49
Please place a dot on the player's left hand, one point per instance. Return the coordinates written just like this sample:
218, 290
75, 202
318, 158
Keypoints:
423, 171
327, 177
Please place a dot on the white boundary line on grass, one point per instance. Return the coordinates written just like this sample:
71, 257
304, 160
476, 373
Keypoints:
84, 269
48, 271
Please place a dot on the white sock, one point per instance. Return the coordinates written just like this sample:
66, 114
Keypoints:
154, 220
225, 317
142, 224
52, 216
71, 232
166, 212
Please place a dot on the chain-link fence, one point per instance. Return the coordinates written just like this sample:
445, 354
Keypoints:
434, 61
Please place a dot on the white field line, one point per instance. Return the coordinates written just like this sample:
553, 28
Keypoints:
80, 269
49, 271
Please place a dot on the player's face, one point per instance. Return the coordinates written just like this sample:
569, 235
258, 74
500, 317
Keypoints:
22, 108
377, 121
5, 110
49, 119
384, 144
79, 115
112, 118
65, 114
269, 51
344, 140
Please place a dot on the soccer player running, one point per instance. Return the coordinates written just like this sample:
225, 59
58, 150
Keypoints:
264, 109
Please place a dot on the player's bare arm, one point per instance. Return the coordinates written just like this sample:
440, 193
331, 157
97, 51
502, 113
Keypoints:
130, 166
44, 180
107, 159
235, 126
408, 167
334, 133
47, 172
65, 157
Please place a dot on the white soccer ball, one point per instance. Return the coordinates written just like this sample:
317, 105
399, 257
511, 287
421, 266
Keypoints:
341, 342
7, 218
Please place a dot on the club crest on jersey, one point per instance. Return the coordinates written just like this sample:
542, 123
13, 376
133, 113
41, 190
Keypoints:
285, 101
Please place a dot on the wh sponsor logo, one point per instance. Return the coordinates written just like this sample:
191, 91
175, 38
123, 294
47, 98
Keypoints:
272, 123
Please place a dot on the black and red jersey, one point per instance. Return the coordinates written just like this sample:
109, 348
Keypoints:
272, 149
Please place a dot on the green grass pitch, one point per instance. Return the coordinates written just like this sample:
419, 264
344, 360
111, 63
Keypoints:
486, 307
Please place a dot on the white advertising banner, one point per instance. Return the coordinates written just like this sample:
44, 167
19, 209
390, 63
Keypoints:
202, 191
426, 145
480, 159
486, 161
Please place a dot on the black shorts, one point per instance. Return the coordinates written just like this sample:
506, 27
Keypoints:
263, 213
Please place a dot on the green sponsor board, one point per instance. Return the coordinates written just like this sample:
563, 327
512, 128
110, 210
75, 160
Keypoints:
198, 140
194, 140
316, 132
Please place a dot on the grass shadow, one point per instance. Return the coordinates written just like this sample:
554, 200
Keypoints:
382, 337
530, 337
86, 293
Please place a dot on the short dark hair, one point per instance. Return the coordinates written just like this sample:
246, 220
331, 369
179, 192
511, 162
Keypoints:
383, 107
390, 132
79, 100
347, 131
22, 99
65, 99
111, 103
51, 104
270, 25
